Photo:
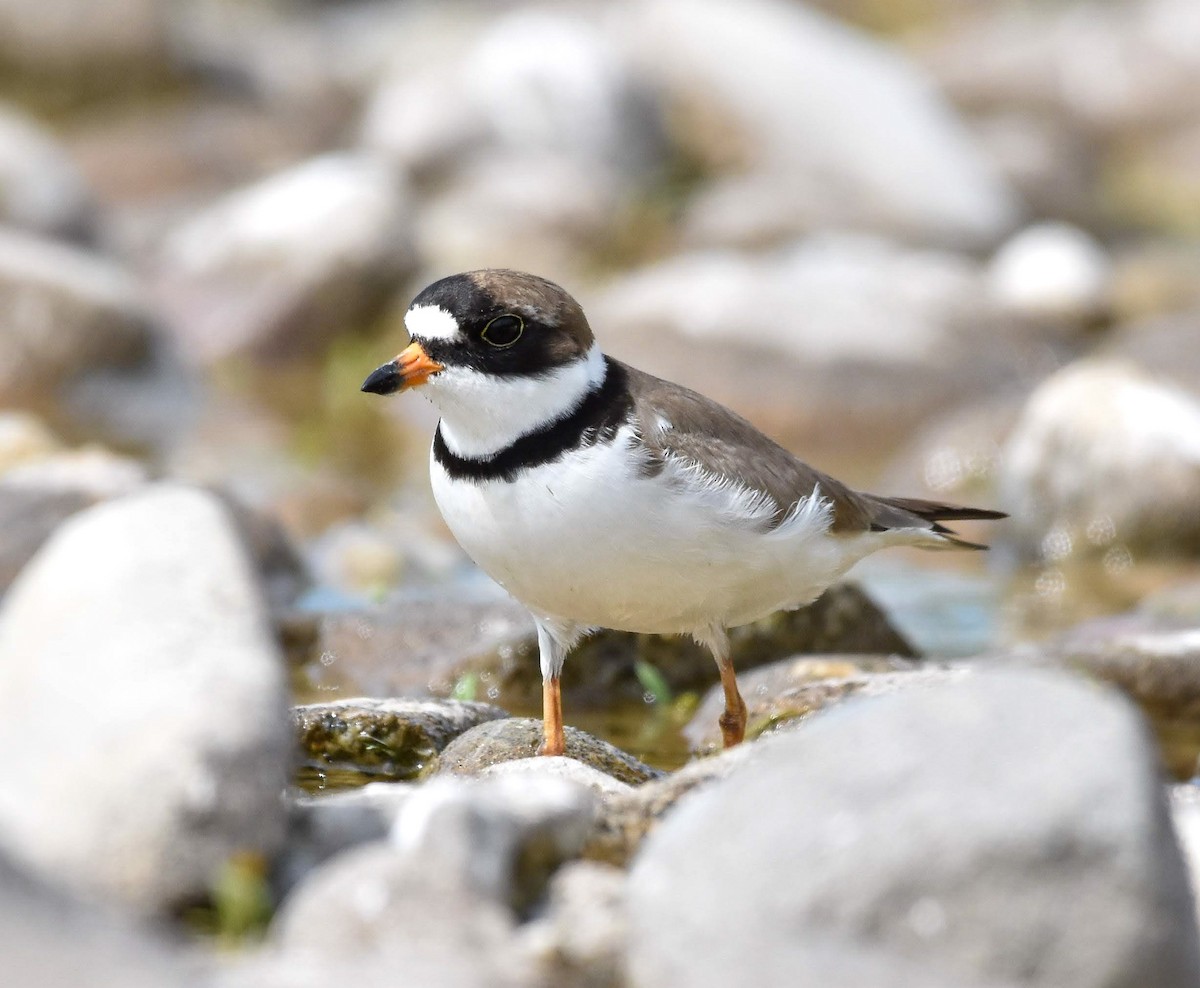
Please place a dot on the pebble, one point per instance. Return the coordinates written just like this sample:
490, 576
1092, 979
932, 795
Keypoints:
517, 737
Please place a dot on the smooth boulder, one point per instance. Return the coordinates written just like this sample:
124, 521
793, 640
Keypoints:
1010, 828
143, 700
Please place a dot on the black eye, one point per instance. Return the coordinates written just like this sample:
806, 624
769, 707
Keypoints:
503, 331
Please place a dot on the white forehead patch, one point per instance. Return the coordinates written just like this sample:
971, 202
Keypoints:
431, 322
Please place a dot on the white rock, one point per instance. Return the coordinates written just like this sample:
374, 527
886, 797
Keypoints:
828, 298
143, 698
785, 92
1104, 458
40, 187
280, 265
1051, 271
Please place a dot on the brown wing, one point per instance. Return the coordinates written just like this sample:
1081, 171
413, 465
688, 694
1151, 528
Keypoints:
727, 446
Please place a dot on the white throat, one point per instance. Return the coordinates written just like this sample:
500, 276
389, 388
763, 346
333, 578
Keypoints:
482, 413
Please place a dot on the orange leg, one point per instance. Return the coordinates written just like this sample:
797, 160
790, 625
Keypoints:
553, 742
733, 720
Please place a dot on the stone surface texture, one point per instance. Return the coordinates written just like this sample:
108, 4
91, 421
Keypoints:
1011, 828
144, 692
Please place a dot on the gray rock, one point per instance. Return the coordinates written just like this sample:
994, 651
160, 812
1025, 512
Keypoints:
1010, 828
440, 896
388, 737
141, 684
38, 495
850, 132
277, 562
627, 819
321, 826
1104, 461
519, 737
277, 268
1153, 658
579, 940
41, 190
501, 838
794, 688
50, 941
375, 910
64, 313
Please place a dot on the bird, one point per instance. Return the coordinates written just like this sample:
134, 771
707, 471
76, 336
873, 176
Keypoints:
600, 496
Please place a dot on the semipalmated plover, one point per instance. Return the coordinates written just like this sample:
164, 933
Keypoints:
602, 497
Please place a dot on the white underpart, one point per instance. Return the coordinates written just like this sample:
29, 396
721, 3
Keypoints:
431, 322
590, 540
483, 413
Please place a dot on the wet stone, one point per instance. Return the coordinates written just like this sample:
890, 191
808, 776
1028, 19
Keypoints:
507, 740
383, 737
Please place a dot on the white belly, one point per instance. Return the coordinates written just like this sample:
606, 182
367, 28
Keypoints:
588, 539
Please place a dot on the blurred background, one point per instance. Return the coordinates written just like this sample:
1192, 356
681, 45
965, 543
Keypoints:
943, 248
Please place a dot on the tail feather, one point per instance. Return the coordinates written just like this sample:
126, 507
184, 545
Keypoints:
909, 512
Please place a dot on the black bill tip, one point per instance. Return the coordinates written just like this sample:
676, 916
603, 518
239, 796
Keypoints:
385, 380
